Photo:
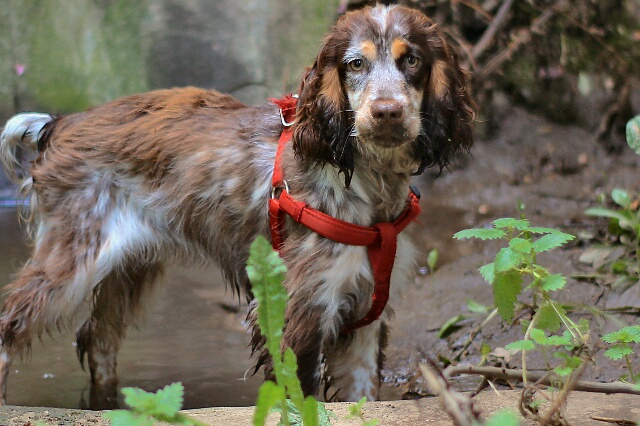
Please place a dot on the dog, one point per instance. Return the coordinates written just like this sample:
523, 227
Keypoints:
185, 175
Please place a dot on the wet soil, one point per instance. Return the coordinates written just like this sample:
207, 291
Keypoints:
194, 333
557, 172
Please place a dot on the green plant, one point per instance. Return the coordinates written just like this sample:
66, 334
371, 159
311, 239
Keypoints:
149, 408
266, 273
503, 418
624, 224
621, 347
633, 134
355, 411
515, 268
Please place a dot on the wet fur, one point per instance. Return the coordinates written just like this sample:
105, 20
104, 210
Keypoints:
184, 174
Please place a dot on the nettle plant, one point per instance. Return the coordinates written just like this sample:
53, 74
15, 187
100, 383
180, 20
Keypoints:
516, 269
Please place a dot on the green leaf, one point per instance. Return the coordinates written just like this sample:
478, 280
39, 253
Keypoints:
551, 241
476, 307
503, 418
266, 272
432, 259
127, 418
621, 198
310, 412
558, 341
511, 223
450, 326
485, 349
602, 212
481, 233
521, 245
289, 378
570, 361
538, 336
547, 317
542, 230
633, 134
618, 352
627, 334
553, 282
324, 416
563, 371
506, 288
355, 409
488, 272
506, 259
269, 395
521, 345
164, 403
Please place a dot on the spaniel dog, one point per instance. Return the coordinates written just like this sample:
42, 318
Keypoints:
185, 174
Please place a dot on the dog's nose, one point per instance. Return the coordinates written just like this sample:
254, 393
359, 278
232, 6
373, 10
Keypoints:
386, 111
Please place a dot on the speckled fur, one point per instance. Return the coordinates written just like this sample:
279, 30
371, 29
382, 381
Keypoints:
185, 175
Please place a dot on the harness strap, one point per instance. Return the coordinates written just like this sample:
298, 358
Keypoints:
380, 239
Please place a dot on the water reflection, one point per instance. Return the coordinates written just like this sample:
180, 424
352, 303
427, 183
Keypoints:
189, 334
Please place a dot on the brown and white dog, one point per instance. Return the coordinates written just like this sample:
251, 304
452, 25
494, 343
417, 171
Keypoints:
185, 174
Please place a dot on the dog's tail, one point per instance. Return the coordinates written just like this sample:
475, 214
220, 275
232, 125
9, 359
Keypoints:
24, 135
22, 131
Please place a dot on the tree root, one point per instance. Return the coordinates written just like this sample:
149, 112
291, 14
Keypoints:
516, 374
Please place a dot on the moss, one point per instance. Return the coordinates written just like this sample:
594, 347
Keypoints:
90, 54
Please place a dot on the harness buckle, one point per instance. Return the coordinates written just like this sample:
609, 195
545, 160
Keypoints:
284, 186
284, 122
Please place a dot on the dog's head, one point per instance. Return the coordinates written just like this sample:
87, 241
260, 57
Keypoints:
385, 85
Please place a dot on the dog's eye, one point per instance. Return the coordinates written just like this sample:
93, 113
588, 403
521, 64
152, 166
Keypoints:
356, 65
412, 61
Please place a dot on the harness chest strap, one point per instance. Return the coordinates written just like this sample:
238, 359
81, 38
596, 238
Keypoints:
380, 239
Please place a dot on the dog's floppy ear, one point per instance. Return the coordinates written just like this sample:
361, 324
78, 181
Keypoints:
447, 108
323, 124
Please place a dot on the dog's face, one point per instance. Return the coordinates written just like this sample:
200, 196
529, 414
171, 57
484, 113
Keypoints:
384, 74
384, 80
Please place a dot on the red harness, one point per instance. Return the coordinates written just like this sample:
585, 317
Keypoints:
380, 239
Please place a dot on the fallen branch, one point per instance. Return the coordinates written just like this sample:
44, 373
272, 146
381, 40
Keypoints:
492, 29
621, 422
523, 37
458, 406
516, 374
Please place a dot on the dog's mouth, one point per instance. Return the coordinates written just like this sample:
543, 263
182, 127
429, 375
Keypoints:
386, 136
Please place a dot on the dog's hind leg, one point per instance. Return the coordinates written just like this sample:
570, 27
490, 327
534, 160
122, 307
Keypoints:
68, 261
116, 303
43, 296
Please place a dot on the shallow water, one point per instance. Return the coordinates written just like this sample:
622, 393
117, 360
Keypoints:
189, 334
193, 331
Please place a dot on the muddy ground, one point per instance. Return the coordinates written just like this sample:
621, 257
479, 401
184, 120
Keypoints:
557, 172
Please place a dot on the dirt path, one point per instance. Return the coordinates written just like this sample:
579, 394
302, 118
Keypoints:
582, 410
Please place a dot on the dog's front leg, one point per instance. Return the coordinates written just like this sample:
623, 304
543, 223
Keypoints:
354, 363
303, 334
